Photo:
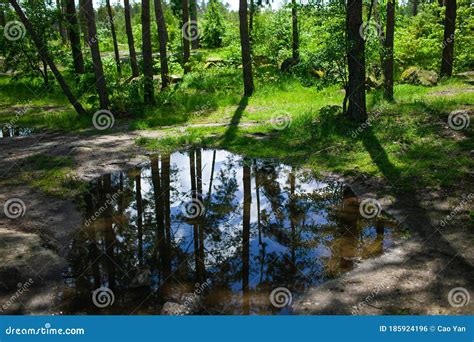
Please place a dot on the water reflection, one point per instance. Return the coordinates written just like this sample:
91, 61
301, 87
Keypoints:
13, 131
235, 228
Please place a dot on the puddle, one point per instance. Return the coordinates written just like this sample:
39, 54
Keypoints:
214, 233
12, 131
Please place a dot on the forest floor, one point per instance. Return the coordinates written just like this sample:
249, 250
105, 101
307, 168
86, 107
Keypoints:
418, 168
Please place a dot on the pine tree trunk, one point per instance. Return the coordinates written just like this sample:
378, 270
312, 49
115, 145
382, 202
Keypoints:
114, 35
194, 21
245, 47
83, 23
2, 17
43, 52
74, 37
186, 33
62, 30
448, 42
149, 95
356, 62
95, 53
163, 38
415, 7
388, 53
131, 42
296, 42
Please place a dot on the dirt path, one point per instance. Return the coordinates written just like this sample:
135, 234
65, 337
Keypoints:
413, 277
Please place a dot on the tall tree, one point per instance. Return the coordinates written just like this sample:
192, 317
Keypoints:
415, 7
388, 51
245, 47
247, 199
95, 53
296, 39
357, 110
194, 24
74, 37
43, 52
131, 42
163, 39
147, 54
61, 28
186, 33
114, 35
448, 42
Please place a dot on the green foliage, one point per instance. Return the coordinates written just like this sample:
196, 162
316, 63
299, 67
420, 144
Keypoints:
213, 27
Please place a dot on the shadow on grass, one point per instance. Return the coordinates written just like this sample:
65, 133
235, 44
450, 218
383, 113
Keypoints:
231, 131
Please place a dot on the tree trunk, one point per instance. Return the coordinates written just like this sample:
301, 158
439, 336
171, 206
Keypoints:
74, 37
186, 35
415, 7
356, 62
247, 199
296, 42
83, 23
147, 54
448, 42
131, 42
163, 38
61, 28
245, 47
388, 53
2, 17
114, 35
43, 52
194, 25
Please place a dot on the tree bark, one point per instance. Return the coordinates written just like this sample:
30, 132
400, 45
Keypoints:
74, 37
356, 62
131, 42
415, 7
388, 53
114, 35
185, 20
43, 52
448, 42
245, 47
163, 39
61, 29
296, 40
2, 17
194, 20
95, 53
147, 54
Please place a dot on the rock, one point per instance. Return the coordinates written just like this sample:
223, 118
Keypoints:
417, 76
288, 64
174, 309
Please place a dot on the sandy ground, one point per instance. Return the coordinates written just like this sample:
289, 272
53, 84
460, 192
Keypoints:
414, 277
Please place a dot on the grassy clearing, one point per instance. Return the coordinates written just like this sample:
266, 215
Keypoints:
52, 175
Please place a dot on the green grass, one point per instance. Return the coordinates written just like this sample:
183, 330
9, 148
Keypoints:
52, 175
408, 143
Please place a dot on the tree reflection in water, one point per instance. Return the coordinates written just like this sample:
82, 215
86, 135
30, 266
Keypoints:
262, 225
